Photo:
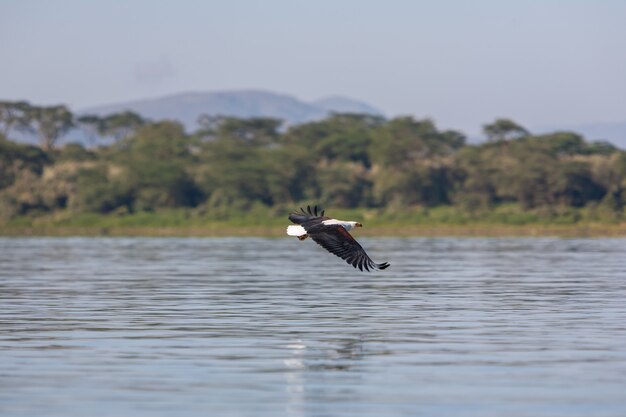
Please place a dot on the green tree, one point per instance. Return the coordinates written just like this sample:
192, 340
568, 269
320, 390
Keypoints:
341, 137
97, 191
14, 115
254, 131
156, 161
93, 125
503, 130
405, 140
476, 177
235, 175
120, 125
16, 158
561, 143
50, 123
527, 179
344, 184
413, 162
572, 184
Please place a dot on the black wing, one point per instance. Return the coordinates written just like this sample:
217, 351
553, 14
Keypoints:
307, 218
336, 240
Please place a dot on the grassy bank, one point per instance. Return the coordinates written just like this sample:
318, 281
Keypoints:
505, 220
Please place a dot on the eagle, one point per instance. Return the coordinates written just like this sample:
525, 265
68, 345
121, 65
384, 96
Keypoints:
332, 235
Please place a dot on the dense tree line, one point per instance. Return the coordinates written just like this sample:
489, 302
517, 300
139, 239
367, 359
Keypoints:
346, 160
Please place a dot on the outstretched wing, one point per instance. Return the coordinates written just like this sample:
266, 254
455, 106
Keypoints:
307, 217
336, 240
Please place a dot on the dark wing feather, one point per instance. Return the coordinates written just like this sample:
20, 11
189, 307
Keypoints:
336, 240
307, 218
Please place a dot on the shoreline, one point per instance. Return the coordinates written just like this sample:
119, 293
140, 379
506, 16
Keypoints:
474, 230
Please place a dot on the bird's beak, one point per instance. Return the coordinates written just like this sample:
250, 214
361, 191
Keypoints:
358, 225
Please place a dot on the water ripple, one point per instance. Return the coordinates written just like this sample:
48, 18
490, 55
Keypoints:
254, 327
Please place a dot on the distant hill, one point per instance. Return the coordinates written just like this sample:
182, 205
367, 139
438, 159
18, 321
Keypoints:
345, 105
186, 107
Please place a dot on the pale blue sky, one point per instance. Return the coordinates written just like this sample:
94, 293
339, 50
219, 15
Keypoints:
463, 63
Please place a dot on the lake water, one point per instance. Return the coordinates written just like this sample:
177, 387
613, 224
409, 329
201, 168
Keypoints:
278, 327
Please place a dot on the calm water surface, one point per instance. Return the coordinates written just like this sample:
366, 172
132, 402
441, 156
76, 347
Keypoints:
277, 327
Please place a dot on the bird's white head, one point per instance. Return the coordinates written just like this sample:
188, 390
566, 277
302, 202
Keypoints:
355, 224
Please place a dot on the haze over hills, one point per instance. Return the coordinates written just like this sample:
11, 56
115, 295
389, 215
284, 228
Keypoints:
345, 105
186, 107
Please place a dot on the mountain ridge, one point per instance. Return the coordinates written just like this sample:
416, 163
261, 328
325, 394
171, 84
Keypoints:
186, 107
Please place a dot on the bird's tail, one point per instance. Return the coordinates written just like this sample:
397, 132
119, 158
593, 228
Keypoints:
295, 230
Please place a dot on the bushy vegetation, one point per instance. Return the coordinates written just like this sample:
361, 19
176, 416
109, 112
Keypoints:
346, 161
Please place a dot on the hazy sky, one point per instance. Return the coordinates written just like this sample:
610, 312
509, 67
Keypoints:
463, 63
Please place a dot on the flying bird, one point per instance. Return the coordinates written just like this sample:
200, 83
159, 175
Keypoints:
332, 235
